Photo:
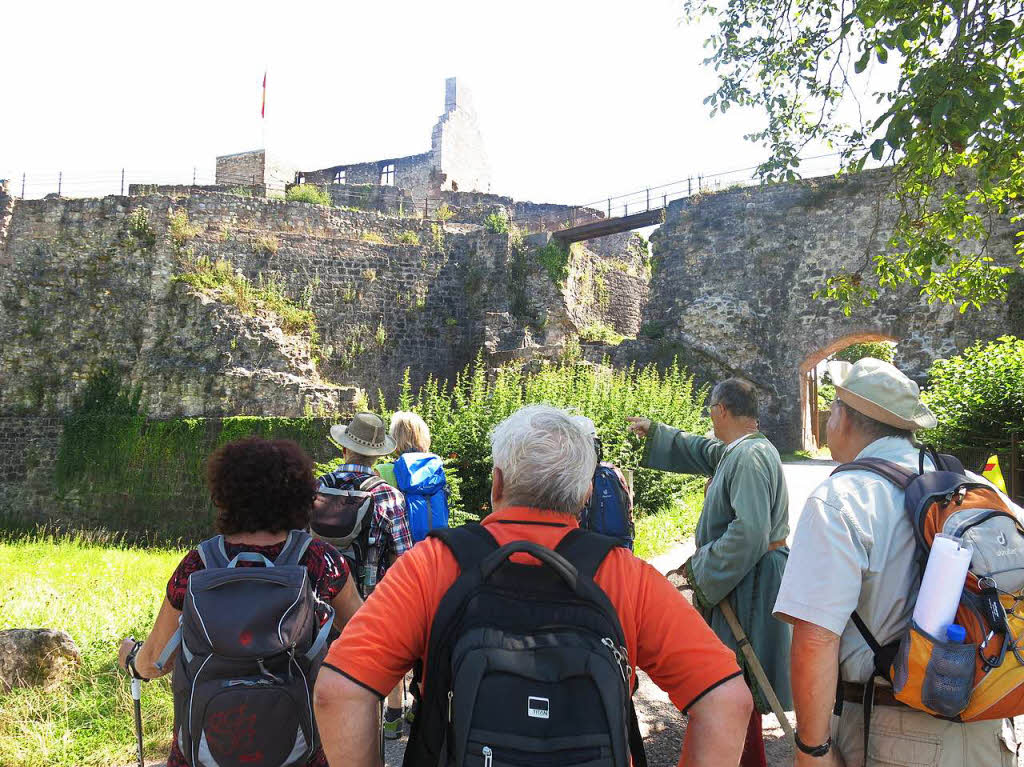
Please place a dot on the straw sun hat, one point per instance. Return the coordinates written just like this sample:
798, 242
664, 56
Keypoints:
880, 391
365, 435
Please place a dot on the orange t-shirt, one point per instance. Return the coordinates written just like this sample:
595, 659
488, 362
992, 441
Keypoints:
665, 636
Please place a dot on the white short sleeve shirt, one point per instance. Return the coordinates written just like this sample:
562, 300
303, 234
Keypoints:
854, 549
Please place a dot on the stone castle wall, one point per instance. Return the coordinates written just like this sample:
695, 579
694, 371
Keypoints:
734, 278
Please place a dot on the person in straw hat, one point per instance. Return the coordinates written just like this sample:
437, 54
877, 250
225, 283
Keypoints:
362, 442
854, 550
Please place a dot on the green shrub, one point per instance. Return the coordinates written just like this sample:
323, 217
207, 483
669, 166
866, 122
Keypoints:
308, 193
599, 332
444, 213
978, 397
880, 350
462, 416
137, 230
497, 222
180, 228
409, 238
554, 257
267, 296
826, 395
267, 244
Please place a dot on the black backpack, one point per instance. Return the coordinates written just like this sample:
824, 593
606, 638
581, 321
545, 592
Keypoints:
527, 664
251, 646
341, 516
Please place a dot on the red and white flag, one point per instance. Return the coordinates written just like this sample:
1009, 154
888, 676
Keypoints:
263, 106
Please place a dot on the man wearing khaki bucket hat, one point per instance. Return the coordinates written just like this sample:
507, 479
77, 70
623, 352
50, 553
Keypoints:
362, 441
854, 550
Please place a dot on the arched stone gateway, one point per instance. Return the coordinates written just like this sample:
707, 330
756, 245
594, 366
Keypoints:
733, 283
811, 429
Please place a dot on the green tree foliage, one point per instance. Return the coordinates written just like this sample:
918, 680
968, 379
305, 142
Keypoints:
880, 350
978, 397
310, 193
950, 122
462, 416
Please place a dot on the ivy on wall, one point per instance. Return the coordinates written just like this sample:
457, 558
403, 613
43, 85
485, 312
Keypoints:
118, 469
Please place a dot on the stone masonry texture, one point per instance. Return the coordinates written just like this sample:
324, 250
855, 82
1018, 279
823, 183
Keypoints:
93, 284
734, 276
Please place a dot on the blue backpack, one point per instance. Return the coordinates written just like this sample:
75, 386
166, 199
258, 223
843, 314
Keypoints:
420, 477
610, 509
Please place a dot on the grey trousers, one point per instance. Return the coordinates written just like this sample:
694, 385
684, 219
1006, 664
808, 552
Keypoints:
903, 737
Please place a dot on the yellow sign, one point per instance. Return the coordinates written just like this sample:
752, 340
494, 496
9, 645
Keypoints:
993, 474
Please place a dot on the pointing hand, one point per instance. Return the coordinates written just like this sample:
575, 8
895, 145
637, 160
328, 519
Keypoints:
639, 426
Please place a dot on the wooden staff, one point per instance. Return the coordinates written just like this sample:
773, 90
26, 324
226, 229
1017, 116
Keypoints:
748, 652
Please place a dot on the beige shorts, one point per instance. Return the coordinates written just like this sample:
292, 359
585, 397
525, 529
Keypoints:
902, 737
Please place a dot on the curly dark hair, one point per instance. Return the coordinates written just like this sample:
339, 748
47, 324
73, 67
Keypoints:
258, 484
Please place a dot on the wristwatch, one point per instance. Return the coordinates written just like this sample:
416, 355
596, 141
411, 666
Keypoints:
821, 750
129, 661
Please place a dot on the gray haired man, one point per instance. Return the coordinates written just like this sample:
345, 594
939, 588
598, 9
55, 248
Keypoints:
543, 465
854, 550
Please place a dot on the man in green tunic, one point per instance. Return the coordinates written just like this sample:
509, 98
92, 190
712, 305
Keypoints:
741, 534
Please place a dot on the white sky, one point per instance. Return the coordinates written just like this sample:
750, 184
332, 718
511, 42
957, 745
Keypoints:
576, 100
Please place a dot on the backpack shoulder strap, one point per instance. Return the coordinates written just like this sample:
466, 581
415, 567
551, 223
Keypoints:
586, 550
294, 548
468, 543
371, 483
898, 475
213, 553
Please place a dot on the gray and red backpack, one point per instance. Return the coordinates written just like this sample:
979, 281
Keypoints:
251, 642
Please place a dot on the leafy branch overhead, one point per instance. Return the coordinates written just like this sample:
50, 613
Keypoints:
947, 117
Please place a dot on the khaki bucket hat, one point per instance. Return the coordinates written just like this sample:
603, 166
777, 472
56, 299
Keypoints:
880, 391
365, 434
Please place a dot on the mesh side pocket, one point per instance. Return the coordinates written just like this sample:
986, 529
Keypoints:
901, 666
949, 678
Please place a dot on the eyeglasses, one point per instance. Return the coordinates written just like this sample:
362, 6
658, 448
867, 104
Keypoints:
709, 408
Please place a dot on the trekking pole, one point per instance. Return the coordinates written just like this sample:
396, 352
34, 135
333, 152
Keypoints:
748, 653
137, 703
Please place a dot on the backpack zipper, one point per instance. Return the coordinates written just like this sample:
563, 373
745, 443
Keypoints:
621, 659
488, 756
978, 519
450, 696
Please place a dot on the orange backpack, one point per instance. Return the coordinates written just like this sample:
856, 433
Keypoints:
982, 677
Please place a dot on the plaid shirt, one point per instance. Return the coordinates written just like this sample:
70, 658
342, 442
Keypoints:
390, 522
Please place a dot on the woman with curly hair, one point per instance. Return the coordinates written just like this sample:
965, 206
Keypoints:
262, 489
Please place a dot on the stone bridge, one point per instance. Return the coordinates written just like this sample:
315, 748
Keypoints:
734, 274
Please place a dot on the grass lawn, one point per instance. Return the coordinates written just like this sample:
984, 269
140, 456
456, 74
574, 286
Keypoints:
658, 533
100, 593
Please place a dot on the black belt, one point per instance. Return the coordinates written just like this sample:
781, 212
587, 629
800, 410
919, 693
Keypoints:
854, 693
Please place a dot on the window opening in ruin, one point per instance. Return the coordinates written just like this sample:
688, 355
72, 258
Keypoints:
387, 174
300, 178
339, 176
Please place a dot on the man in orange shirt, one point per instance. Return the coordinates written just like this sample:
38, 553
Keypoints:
543, 465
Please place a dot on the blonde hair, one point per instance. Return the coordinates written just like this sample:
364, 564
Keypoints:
410, 432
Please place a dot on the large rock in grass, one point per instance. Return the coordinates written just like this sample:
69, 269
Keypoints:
36, 658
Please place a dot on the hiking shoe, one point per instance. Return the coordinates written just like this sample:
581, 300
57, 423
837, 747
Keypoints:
393, 727
410, 713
